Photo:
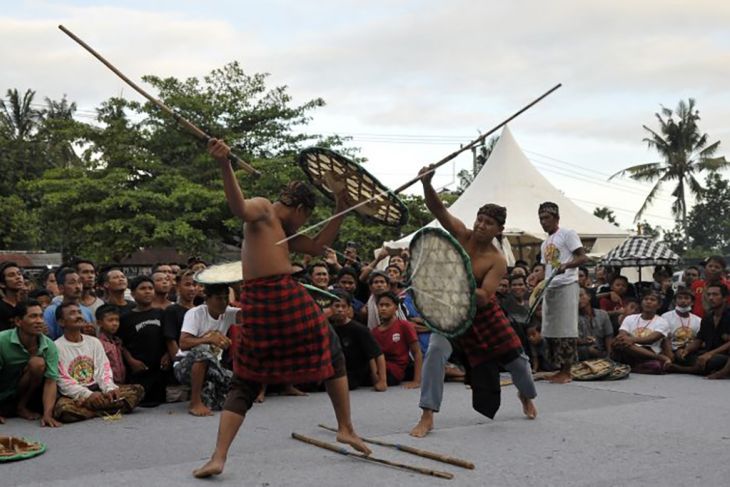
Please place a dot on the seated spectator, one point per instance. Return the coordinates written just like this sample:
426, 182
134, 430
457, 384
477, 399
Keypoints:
85, 381
379, 283
398, 341
347, 281
107, 319
69, 283
708, 352
145, 353
11, 285
517, 305
86, 270
689, 276
537, 275
319, 275
663, 285
47, 281
584, 278
173, 316
502, 290
28, 367
639, 339
365, 361
595, 331
115, 283
43, 296
202, 341
714, 272
163, 285
683, 329
538, 350
631, 307
613, 301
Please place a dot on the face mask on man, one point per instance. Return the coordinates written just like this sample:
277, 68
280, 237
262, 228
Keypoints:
683, 309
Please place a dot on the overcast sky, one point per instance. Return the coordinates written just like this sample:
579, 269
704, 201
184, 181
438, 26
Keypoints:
411, 80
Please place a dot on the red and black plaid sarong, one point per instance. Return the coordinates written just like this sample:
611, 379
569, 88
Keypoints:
284, 338
490, 337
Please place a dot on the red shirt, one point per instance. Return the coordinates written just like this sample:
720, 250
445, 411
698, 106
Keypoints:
395, 342
607, 305
698, 289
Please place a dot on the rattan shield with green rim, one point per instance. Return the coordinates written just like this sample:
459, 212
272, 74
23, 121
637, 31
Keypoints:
327, 170
13, 448
442, 282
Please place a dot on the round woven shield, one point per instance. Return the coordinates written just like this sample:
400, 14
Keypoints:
442, 282
330, 171
594, 369
13, 448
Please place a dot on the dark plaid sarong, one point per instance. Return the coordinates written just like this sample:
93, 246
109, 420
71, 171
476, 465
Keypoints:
490, 337
284, 338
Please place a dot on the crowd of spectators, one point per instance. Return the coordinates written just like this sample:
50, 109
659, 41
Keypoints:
78, 343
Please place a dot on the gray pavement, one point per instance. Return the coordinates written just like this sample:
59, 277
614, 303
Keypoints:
645, 430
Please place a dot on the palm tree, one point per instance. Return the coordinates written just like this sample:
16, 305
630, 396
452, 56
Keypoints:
17, 117
684, 152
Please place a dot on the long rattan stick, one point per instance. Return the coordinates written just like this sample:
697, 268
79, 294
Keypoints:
439, 457
344, 451
189, 126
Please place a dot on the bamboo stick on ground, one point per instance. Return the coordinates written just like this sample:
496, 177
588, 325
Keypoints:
439, 457
346, 452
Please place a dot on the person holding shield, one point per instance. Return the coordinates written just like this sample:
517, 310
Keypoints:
284, 337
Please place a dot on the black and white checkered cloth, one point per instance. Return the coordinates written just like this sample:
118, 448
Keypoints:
639, 251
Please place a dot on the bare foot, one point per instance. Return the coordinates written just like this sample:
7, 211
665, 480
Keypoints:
290, 390
26, 413
528, 406
561, 378
349, 437
424, 426
200, 410
213, 467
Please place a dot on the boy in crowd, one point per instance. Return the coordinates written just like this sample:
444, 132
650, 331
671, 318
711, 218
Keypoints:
85, 379
11, 285
683, 329
107, 318
595, 331
708, 352
144, 345
379, 283
347, 281
365, 361
71, 289
43, 296
538, 348
613, 302
202, 341
398, 341
639, 339
28, 367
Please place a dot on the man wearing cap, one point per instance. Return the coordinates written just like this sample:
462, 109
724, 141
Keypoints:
562, 253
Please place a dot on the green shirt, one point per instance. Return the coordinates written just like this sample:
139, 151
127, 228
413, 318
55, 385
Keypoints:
14, 357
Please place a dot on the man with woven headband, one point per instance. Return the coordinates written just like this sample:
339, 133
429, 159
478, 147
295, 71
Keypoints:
562, 253
490, 341
284, 337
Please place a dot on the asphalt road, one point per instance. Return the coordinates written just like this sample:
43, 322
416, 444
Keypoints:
642, 431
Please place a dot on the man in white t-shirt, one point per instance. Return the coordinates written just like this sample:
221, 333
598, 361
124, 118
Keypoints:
202, 341
639, 340
85, 381
562, 253
683, 328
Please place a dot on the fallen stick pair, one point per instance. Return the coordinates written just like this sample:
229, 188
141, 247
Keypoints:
416, 451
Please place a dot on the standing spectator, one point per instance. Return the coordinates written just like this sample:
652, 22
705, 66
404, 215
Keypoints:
351, 257
141, 334
537, 275
689, 276
11, 284
48, 281
347, 281
174, 315
319, 275
562, 252
714, 272
43, 296
379, 283
86, 270
663, 285
162, 284
595, 331
115, 283
71, 289
28, 367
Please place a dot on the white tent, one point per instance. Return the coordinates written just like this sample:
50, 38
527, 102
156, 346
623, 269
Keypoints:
509, 179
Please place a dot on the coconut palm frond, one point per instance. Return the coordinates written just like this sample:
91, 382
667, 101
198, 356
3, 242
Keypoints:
638, 169
649, 200
713, 164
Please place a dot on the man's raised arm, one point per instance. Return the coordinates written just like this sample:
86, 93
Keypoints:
434, 204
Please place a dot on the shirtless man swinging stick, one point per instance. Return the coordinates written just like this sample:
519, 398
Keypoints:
284, 337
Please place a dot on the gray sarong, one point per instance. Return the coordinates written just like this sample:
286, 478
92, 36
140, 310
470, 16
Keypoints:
217, 378
560, 312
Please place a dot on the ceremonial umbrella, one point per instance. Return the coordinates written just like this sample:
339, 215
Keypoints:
640, 251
